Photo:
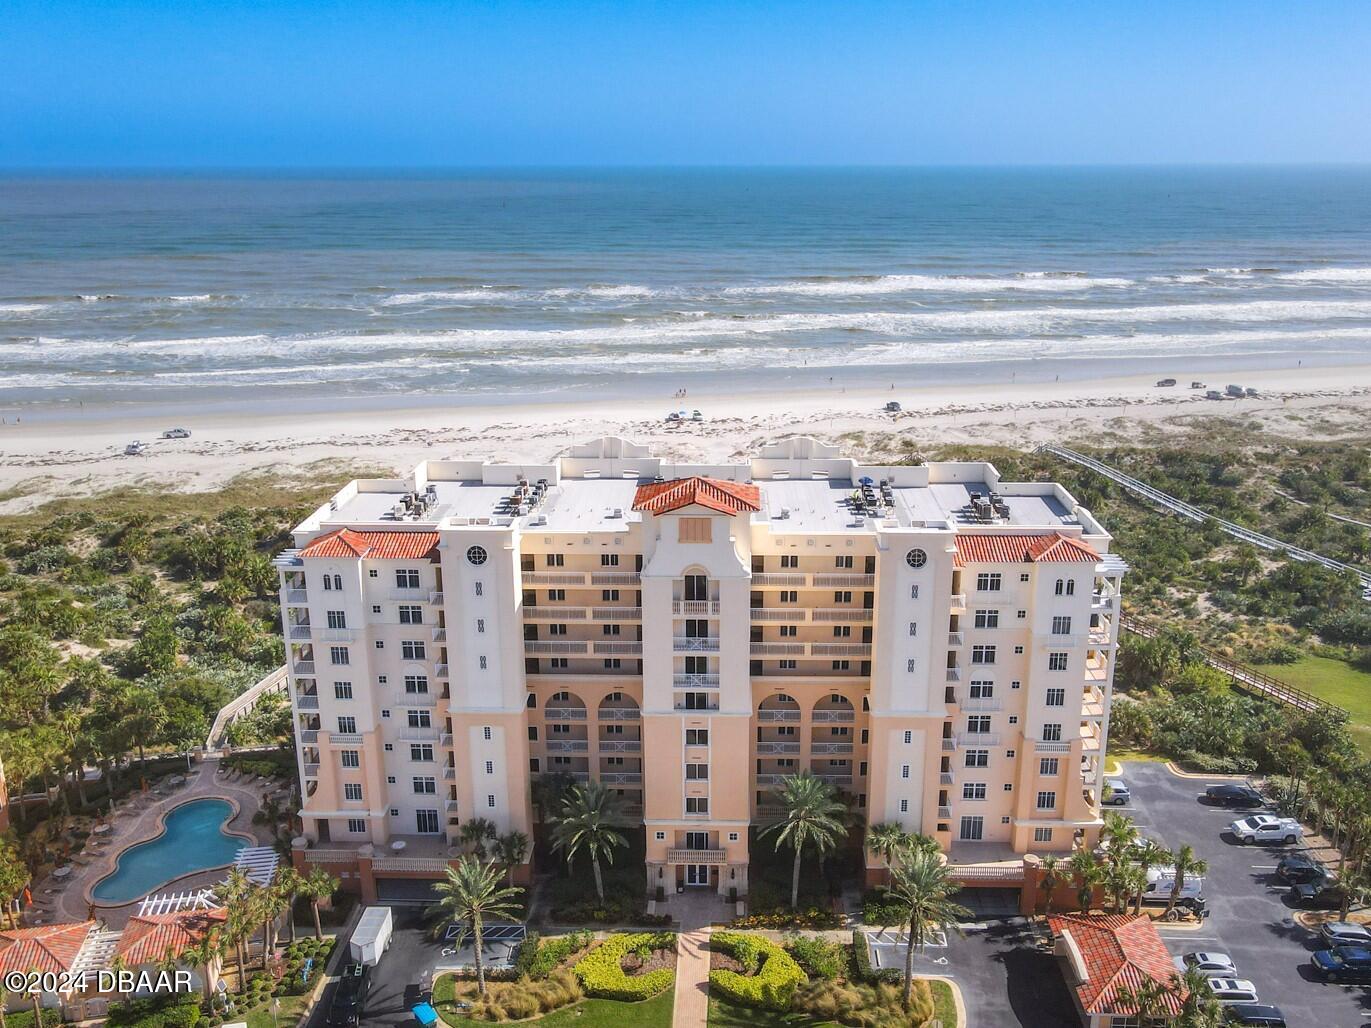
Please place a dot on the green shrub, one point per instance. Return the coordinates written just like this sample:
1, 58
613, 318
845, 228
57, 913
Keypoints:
156, 1012
780, 919
771, 974
818, 958
862, 970
879, 909
601, 971
865, 1005
537, 957
522, 999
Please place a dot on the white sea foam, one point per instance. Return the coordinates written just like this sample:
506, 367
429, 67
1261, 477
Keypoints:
443, 295
22, 308
1332, 275
1043, 281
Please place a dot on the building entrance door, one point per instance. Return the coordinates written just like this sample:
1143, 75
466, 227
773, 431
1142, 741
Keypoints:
697, 874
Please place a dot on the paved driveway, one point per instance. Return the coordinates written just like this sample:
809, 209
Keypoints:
1249, 918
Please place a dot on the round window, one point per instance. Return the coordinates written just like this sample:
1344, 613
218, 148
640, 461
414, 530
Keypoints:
476, 554
916, 558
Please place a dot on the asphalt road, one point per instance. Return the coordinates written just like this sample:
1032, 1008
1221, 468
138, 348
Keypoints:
1249, 918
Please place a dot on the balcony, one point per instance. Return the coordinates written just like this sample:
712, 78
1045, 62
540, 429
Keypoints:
573, 647
435, 597
567, 745
956, 638
945, 812
451, 806
311, 770
1103, 603
610, 649
616, 613
693, 856
820, 649
298, 597
303, 667
780, 580
949, 745
829, 614
978, 739
301, 632
777, 649
712, 704
773, 747
615, 578
419, 735
945, 778
773, 778
958, 603
778, 715
307, 701
337, 635
562, 772
439, 635
844, 717
621, 778
695, 607
1100, 637
844, 581
553, 578
309, 736
977, 704
445, 740
954, 674
449, 773
621, 745
554, 613
439, 670
1051, 746
778, 614
345, 738
835, 779
695, 644
619, 714
564, 713
830, 747
694, 681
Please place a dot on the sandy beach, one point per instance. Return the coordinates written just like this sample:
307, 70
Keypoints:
46, 456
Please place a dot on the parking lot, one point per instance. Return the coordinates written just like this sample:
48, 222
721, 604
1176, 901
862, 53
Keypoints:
1249, 918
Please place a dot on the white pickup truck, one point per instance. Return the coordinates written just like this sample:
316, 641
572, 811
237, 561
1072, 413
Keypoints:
1266, 828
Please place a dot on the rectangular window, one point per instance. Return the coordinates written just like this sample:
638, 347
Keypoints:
416, 684
913, 592
1052, 732
606, 595
697, 772
977, 758
347, 725
978, 725
973, 791
1047, 800
972, 829
913, 628
424, 784
789, 596
988, 582
904, 806
426, 822
694, 530
697, 736
908, 738
339, 655
478, 588
337, 619
1061, 626
904, 771
787, 665
1048, 766
555, 560
982, 654
485, 732
490, 767
697, 805
419, 719
352, 791
842, 596
413, 649
789, 631
1042, 835
350, 758
910, 665
1056, 662
1056, 697
480, 626
611, 629
981, 690
342, 690
411, 614
356, 826
421, 751
407, 578
790, 560
843, 562
843, 632
987, 619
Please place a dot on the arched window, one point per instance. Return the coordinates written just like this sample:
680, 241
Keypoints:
1071, 587
1060, 584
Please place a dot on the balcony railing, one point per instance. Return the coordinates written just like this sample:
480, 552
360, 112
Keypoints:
954, 674
440, 670
695, 607
834, 779
695, 644
308, 701
627, 648
449, 773
778, 715
845, 717
776, 614
844, 581
820, 649
958, 602
975, 704
564, 713
297, 596
568, 745
830, 747
559, 646
621, 778
553, 577
301, 632
303, 667
445, 740
783, 579
944, 812
439, 635
710, 705
451, 806
311, 770
621, 745
345, 738
967, 739
337, 635
945, 778
620, 714
956, 638
777, 649
309, 736
695, 681
435, 597
616, 613
949, 744
694, 856
614, 578
1051, 746
840, 614
554, 613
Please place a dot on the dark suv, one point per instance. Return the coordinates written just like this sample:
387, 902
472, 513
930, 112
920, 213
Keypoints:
1343, 964
349, 997
1318, 894
1233, 796
1299, 868
1263, 1014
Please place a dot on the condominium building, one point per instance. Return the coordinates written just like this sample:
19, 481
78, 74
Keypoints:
937, 644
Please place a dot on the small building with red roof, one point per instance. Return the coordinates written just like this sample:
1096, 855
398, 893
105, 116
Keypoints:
1105, 958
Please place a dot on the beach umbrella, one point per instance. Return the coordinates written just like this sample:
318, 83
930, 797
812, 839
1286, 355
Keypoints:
867, 480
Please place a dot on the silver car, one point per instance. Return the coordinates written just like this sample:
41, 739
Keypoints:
1210, 963
1116, 792
1345, 933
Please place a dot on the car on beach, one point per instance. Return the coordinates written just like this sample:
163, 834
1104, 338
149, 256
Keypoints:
135, 448
1116, 792
1232, 796
1262, 1014
893, 406
176, 433
1345, 933
1210, 963
1233, 990
1266, 828
1300, 867
1165, 383
1342, 964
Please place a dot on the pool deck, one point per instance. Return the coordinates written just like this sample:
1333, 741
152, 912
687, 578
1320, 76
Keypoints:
137, 820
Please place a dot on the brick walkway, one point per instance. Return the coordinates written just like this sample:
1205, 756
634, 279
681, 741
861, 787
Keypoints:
138, 820
696, 912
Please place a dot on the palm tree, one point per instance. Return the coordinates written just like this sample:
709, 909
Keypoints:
812, 816
1149, 1002
1184, 862
1199, 1007
144, 715
1148, 855
1052, 874
1118, 833
318, 885
202, 954
14, 876
1352, 884
510, 850
270, 903
475, 833
887, 840
236, 894
921, 884
1129, 880
472, 892
588, 821
1089, 874
289, 883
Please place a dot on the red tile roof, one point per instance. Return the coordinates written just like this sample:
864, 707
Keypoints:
148, 937
49, 948
724, 497
1119, 951
347, 543
1052, 548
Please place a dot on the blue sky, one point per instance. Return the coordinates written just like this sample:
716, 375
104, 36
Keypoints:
181, 83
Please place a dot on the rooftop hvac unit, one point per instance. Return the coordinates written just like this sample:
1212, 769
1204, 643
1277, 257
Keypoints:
785, 513
617, 512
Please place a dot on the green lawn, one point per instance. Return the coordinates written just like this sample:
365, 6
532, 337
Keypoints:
608, 1013
292, 1009
723, 1014
1335, 681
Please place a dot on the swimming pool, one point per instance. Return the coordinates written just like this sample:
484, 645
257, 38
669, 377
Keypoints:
193, 839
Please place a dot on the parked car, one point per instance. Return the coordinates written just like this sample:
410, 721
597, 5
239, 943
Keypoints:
1300, 867
1263, 1014
1342, 964
1233, 796
1213, 394
1345, 933
134, 448
1266, 828
1210, 963
176, 433
674, 416
1196, 385
696, 415
349, 998
1116, 792
893, 406
1320, 894
1165, 383
1233, 990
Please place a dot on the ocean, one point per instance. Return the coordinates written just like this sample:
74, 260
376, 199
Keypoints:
511, 286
